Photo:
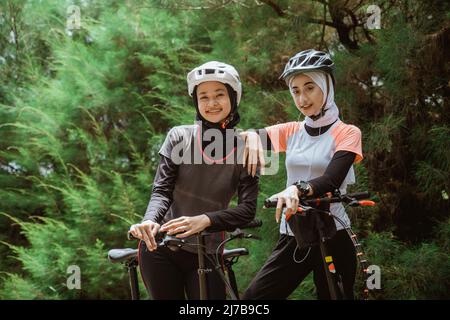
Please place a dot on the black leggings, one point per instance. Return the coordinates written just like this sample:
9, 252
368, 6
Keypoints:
173, 275
281, 275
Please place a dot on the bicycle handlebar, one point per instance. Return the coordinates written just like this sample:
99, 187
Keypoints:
346, 198
256, 223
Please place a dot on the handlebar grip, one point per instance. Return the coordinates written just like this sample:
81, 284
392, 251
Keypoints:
159, 236
130, 236
256, 223
270, 203
359, 195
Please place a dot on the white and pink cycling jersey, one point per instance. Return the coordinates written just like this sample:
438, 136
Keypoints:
307, 157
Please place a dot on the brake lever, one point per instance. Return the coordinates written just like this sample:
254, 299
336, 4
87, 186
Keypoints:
302, 210
238, 233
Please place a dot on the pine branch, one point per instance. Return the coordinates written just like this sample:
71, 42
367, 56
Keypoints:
275, 7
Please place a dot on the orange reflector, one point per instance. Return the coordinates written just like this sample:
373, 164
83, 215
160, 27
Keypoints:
288, 216
331, 268
366, 203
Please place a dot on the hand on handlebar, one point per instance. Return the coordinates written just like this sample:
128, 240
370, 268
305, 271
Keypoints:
289, 197
186, 226
351, 199
146, 231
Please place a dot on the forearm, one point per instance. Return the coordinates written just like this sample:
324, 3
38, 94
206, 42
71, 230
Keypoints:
162, 191
231, 218
334, 175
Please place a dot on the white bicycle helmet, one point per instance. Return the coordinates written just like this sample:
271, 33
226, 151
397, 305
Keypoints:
308, 60
215, 71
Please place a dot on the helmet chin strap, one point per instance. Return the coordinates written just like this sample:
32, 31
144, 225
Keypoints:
226, 121
319, 115
219, 125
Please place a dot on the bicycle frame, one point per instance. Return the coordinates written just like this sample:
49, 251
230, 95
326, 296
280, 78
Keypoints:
334, 282
171, 241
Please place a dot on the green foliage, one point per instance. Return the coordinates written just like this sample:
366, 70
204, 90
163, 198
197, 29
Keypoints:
394, 52
418, 272
380, 137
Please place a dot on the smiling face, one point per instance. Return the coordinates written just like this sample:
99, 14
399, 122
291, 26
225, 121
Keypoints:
213, 101
307, 95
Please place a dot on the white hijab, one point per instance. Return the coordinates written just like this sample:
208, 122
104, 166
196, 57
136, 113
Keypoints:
332, 113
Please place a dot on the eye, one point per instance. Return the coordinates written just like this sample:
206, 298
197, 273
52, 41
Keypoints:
220, 95
310, 88
203, 98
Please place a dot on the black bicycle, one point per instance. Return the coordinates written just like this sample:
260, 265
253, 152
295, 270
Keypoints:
310, 206
129, 258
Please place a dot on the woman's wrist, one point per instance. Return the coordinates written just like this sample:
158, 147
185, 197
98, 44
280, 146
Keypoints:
206, 220
304, 188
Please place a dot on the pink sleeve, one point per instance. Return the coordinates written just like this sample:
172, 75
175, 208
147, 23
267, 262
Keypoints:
349, 139
280, 133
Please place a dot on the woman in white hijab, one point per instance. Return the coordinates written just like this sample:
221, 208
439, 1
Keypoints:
320, 152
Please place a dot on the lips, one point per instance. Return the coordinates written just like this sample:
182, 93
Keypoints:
214, 111
306, 107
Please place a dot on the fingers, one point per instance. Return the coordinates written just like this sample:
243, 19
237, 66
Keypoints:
261, 160
136, 232
151, 237
243, 135
288, 206
195, 225
179, 229
254, 166
145, 237
251, 161
295, 203
251, 151
170, 224
253, 155
279, 209
176, 225
187, 233
254, 150
155, 229
133, 231
245, 151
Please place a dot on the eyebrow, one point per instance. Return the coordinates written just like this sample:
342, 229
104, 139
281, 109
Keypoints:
217, 90
295, 87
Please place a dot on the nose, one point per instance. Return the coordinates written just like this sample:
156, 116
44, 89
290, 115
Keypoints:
212, 101
302, 100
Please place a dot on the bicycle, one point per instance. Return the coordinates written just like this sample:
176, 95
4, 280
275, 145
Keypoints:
129, 258
309, 206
